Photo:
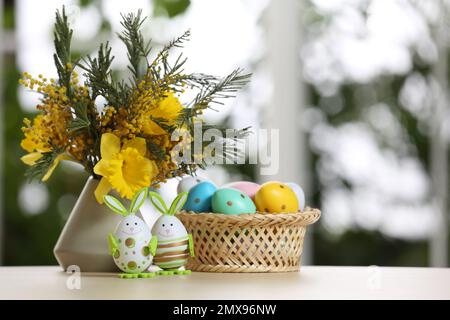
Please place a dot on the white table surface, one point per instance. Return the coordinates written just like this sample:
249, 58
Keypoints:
312, 282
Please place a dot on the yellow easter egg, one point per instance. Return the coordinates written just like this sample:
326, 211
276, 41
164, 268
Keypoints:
276, 197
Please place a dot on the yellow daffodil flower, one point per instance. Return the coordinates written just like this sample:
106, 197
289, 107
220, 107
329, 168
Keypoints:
168, 110
124, 169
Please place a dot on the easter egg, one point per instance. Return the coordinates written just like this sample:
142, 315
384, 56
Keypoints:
199, 198
249, 188
299, 193
133, 238
276, 197
188, 182
232, 201
172, 251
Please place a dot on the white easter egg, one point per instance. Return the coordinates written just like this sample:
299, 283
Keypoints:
133, 237
188, 182
299, 193
173, 242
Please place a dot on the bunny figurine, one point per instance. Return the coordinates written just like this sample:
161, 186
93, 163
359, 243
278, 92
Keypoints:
174, 244
132, 245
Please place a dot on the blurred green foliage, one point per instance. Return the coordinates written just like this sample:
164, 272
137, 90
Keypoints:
170, 8
8, 14
362, 247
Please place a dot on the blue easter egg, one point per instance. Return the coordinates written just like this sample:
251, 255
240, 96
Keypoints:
199, 198
232, 201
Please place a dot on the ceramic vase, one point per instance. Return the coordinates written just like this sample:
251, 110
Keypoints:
83, 241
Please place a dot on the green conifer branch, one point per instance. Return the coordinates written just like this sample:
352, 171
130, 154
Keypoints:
40, 168
100, 80
62, 57
215, 91
137, 47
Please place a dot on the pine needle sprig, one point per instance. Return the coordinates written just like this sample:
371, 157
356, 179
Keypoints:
227, 141
212, 91
163, 124
199, 80
80, 118
156, 150
175, 43
215, 91
62, 57
165, 75
41, 167
174, 71
100, 80
63, 62
133, 39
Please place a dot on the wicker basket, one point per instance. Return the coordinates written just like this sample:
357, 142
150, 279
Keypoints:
247, 242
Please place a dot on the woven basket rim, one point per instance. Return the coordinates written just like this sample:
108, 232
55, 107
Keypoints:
303, 218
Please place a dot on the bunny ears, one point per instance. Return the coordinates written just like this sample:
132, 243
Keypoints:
138, 200
115, 205
160, 205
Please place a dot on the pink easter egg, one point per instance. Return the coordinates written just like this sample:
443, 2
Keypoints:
249, 188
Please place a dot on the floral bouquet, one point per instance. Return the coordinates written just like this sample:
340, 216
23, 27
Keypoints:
127, 142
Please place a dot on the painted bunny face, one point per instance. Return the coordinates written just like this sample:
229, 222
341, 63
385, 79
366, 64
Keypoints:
129, 246
168, 227
131, 225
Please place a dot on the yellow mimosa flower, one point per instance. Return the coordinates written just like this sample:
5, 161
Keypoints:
125, 169
36, 135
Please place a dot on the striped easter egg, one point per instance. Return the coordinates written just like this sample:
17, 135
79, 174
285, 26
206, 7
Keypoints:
172, 251
172, 254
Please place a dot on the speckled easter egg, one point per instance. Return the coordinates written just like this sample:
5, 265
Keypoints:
199, 198
232, 201
249, 188
133, 237
276, 197
188, 182
299, 193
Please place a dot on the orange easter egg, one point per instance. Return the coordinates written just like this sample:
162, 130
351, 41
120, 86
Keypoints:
276, 197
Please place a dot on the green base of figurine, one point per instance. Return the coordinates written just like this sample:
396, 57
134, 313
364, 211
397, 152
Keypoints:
147, 275
144, 275
173, 272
